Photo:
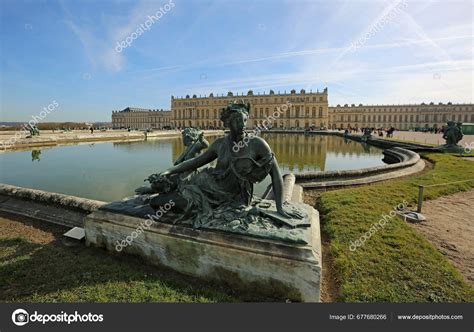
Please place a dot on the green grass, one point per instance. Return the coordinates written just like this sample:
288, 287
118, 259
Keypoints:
396, 264
31, 272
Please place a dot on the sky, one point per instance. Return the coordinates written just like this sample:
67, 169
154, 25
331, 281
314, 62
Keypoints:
364, 51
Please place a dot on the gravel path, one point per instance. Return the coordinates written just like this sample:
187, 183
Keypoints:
450, 227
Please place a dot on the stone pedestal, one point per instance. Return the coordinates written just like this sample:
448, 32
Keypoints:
269, 267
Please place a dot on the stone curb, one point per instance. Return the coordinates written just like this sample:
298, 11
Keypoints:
64, 201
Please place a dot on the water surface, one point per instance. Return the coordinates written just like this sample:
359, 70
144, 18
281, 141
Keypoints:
110, 171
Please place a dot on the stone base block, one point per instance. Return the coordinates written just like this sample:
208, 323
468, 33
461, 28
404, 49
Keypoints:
265, 267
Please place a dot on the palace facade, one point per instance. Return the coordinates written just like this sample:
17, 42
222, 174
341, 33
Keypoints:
292, 111
402, 117
141, 118
301, 109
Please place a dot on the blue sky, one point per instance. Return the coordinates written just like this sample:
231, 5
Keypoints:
416, 51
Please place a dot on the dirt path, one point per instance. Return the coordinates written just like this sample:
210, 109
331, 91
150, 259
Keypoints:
450, 227
31, 230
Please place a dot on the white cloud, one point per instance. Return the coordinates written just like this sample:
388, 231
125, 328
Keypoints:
99, 45
99, 52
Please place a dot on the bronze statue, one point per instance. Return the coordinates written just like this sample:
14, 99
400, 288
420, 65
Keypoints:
220, 197
232, 179
453, 134
34, 131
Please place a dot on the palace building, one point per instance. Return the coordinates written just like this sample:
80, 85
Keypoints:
141, 118
301, 109
292, 111
402, 117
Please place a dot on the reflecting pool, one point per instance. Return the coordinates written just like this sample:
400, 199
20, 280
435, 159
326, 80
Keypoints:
110, 171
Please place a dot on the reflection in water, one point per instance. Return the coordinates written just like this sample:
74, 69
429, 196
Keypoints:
295, 152
300, 153
35, 155
110, 171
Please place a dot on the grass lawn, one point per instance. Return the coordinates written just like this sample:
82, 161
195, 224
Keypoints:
396, 264
38, 267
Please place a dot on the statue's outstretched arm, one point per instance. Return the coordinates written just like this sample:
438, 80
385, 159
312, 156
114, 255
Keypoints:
192, 150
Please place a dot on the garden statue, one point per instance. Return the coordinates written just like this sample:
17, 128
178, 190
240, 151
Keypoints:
453, 134
231, 180
220, 197
201, 217
194, 141
34, 131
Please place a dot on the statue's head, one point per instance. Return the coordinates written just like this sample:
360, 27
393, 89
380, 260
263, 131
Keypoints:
190, 135
450, 123
235, 116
